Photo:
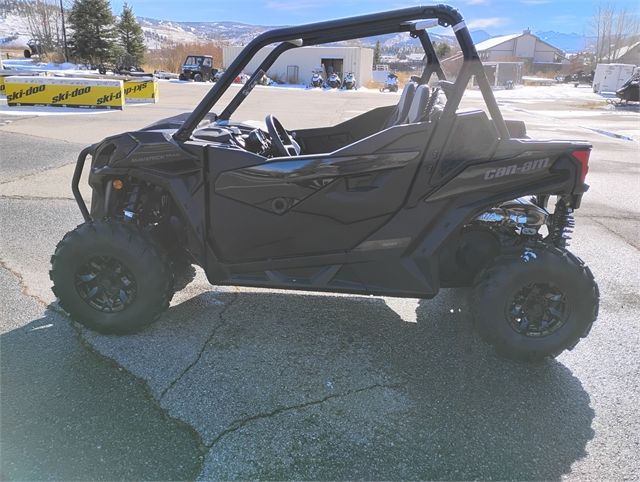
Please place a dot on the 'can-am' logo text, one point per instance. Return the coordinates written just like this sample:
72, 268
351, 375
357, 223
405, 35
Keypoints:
525, 168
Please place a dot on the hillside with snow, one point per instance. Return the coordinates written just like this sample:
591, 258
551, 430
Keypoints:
14, 33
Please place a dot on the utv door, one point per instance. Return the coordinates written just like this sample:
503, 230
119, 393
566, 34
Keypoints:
318, 204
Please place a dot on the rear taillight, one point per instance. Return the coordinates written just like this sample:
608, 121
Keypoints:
583, 158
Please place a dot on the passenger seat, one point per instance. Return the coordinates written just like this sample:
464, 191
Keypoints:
399, 114
419, 104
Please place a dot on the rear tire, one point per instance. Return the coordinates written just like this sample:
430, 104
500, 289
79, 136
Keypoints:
535, 304
111, 277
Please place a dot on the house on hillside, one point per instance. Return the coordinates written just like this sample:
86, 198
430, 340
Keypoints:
536, 54
629, 54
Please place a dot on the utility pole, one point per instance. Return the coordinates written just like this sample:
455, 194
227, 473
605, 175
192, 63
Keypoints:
64, 34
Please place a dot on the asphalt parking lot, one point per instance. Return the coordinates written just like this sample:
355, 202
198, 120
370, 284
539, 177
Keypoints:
265, 384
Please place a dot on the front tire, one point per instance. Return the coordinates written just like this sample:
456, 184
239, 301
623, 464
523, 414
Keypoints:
111, 277
535, 304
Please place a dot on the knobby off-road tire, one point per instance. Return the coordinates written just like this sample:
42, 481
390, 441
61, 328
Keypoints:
503, 294
99, 262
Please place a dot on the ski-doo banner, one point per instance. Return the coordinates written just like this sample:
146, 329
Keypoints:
140, 91
64, 92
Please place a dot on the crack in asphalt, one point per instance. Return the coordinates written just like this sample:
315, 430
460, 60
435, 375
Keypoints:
618, 235
608, 216
54, 307
243, 422
215, 330
34, 198
24, 289
82, 341
35, 173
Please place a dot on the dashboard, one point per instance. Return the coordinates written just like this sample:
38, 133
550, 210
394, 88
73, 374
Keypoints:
240, 136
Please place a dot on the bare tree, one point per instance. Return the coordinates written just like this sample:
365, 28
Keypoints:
614, 28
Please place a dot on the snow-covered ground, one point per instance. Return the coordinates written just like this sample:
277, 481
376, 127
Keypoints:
38, 110
33, 65
14, 32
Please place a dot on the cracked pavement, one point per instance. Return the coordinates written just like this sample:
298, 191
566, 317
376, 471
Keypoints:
289, 385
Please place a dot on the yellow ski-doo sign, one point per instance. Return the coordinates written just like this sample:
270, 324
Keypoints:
140, 91
66, 92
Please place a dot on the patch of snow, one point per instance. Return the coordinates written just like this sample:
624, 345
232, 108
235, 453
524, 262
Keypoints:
48, 110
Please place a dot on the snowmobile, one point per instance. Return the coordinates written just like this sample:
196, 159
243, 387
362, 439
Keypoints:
401, 200
316, 79
580, 77
333, 81
264, 80
391, 84
243, 78
349, 82
630, 90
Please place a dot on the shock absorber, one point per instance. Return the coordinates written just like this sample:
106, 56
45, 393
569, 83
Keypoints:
129, 212
562, 223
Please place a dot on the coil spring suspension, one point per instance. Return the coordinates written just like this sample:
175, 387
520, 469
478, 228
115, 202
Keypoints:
563, 224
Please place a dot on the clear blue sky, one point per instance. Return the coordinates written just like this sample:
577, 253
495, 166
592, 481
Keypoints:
495, 16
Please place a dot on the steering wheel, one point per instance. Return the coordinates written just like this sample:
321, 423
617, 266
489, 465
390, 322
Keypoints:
280, 138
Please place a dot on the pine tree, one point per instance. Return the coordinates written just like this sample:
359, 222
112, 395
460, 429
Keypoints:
131, 37
94, 34
442, 49
376, 53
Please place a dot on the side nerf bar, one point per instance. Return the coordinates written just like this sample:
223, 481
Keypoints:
75, 181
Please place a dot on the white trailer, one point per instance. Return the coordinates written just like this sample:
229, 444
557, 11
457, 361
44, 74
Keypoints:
610, 77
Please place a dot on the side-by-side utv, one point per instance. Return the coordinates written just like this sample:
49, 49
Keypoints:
198, 68
399, 201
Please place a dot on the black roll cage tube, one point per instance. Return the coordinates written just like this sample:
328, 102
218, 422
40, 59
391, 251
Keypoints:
402, 20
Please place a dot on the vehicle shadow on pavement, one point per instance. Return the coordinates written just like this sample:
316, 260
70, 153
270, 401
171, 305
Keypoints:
68, 414
332, 387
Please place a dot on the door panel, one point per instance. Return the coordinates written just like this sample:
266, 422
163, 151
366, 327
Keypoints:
309, 205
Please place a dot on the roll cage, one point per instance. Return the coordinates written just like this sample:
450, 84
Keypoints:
413, 20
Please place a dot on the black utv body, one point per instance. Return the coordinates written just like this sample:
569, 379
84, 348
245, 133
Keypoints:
399, 201
630, 90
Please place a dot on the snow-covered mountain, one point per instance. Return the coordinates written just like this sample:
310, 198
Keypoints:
233, 33
14, 33
569, 42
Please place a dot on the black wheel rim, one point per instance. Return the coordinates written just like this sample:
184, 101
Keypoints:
106, 284
538, 310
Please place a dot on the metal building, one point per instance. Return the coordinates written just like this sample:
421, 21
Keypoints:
297, 65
